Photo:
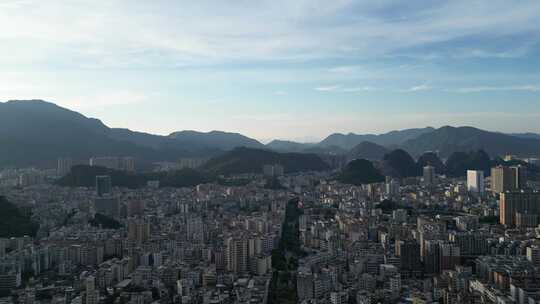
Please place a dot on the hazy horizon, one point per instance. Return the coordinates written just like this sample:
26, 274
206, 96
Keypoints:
305, 139
296, 70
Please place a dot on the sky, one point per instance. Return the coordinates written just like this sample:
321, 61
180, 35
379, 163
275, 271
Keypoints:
298, 70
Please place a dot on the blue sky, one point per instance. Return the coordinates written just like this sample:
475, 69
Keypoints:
278, 69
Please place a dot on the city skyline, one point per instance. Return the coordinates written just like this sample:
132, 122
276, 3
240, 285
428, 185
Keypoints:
278, 70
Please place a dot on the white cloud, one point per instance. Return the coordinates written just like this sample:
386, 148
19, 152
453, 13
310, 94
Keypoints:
123, 33
422, 87
346, 69
328, 88
525, 88
358, 89
339, 88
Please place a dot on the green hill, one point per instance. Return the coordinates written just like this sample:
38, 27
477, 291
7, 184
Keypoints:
360, 171
13, 223
247, 160
459, 162
367, 150
85, 176
431, 158
37, 133
399, 163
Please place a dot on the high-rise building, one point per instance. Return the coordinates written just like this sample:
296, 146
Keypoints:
518, 203
92, 295
138, 230
400, 215
195, 228
409, 253
103, 185
392, 188
469, 243
450, 256
110, 162
520, 176
429, 175
475, 182
341, 297
135, 208
64, 166
395, 284
237, 254
113, 162
127, 163
9, 281
273, 170
304, 284
533, 254
3, 247
431, 257
191, 163
503, 179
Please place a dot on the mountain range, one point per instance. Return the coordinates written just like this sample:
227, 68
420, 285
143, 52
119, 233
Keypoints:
36, 132
392, 138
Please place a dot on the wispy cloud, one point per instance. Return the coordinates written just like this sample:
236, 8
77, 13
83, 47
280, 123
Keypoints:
525, 88
343, 89
328, 88
169, 33
422, 87
358, 89
346, 69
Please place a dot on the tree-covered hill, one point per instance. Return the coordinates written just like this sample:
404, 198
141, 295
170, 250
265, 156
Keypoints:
13, 222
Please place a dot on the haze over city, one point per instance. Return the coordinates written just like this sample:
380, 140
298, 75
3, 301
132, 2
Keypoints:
278, 69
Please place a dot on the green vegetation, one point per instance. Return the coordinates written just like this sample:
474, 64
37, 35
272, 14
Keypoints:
85, 176
234, 182
105, 222
13, 222
360, 172
285, 258
399, 163
387, 206
459, 162
273, 183
431, 159
247, 160
367, 150
181, 178
448, 139
489, 219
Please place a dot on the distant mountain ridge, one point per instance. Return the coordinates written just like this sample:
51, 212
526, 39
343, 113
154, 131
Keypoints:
367, 150
36, 133
449, 139
215, 139
348, 141
288, 146
526, 135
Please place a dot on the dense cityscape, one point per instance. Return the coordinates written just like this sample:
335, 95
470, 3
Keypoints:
305, 238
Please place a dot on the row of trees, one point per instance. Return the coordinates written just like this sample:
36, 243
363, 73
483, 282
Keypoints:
285, 258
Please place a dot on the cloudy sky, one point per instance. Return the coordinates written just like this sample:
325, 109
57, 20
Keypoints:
278, 69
